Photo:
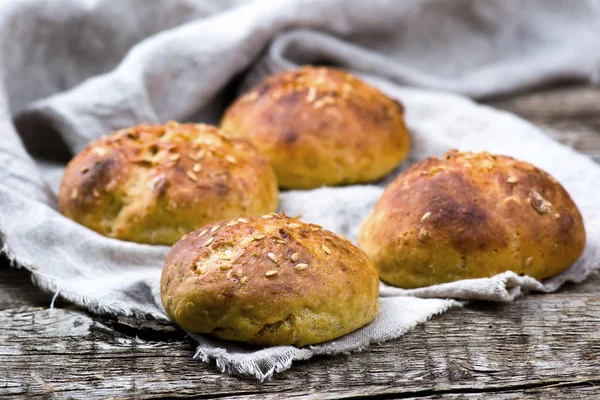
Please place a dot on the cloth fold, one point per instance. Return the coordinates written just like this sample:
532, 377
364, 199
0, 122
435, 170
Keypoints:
70, 74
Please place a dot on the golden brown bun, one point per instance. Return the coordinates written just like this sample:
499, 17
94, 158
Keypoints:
471, 215
321, 126
152, 184
269, 281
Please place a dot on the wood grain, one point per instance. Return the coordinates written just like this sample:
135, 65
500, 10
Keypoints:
535, 342
16, 289
571, 115
539, 346
552, 104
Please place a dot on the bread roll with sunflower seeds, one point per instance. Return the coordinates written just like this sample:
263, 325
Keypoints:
471, 215
321, 126
154, 183
269, 281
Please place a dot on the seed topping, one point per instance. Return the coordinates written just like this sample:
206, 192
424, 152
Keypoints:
250, 97
512, 179
214, 229
202, 233
228, 255
528, 261
312, 94
271, 273
192, 176
326, 249
540, 204
325, 101
300, 267
101, 151
272, 257
347, 87
487, 164
426, 216
111, 185
209, 241
294, 257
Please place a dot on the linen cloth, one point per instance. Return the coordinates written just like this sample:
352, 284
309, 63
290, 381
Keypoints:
73, 70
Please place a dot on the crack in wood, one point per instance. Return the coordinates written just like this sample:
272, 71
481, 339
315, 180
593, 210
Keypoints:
488, 390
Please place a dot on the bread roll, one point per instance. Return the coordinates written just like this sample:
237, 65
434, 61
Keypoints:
321, 126
471, 215
154, 183
269, 281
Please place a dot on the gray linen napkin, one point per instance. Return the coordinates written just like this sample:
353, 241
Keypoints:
73, 70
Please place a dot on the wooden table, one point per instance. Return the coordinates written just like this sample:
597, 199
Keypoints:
539, 346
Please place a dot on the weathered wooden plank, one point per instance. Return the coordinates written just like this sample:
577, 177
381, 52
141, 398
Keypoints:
584, 389
537, 347
17, 290
569, 114
583, 135
553, 103
536, 341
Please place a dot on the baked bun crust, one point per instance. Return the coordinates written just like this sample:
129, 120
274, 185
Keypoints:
152, 184
269, 281
471, 215
321, 126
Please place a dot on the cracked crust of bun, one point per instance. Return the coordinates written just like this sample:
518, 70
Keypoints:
154, 183
268, 281
471, 215
321, 126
